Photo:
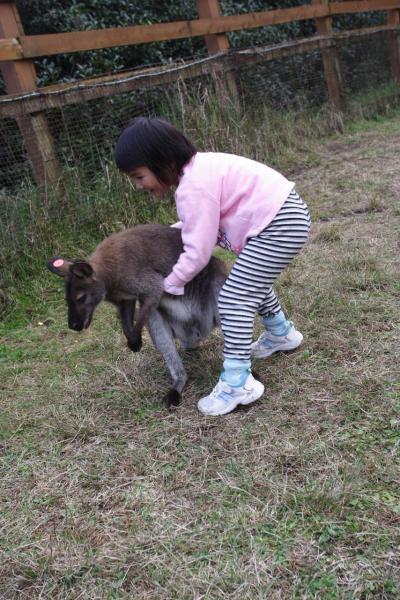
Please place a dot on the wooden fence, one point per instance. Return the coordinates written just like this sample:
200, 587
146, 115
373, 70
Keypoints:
26, 102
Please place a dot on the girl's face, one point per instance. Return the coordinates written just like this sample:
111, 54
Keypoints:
144, 179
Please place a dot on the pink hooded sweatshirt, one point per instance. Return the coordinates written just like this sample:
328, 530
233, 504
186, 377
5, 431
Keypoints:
222, 199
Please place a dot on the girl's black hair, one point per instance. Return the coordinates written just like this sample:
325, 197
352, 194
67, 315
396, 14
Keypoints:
155, 144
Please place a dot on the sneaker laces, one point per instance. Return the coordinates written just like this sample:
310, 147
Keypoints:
222, 390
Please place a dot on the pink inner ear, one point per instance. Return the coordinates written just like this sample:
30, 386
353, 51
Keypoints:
58, 263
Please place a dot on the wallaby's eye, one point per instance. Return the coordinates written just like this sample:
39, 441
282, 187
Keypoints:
81, 299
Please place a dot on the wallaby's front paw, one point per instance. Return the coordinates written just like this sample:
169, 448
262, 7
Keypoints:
135, 344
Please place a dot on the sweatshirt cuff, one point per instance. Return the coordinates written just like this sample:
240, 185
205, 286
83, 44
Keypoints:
173, 289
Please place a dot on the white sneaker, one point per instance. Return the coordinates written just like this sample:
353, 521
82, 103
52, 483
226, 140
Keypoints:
224, 398
267, 343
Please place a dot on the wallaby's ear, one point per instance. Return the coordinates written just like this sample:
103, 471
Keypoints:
59, 266
81, 268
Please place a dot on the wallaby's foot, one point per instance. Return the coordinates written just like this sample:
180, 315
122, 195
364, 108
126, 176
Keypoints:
172, 398
135, 343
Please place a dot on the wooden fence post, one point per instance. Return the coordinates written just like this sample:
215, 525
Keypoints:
331, 64
393, 18
20, 77
219, 43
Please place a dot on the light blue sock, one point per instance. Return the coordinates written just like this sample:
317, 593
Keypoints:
236, 371
277, 323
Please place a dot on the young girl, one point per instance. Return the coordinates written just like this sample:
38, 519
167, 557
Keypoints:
241, 205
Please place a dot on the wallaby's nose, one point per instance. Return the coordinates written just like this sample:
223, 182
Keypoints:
75, 325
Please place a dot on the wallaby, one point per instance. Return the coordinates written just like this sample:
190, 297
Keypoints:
131, 265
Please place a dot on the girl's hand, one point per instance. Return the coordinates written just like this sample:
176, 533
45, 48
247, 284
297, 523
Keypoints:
173, 289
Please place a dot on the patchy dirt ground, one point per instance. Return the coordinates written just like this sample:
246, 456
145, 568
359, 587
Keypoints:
105, 495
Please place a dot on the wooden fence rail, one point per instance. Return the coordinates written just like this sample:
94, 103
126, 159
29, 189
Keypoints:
26, 102
33, 46
84, 90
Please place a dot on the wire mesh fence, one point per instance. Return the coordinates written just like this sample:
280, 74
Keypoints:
365, 66
295, 83
84, 133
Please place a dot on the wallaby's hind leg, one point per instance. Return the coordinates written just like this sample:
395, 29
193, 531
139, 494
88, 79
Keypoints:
163, 340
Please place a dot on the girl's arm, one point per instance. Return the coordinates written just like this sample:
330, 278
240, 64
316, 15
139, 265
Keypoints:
200, 222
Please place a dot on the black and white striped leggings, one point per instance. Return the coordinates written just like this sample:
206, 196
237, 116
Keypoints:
248, 288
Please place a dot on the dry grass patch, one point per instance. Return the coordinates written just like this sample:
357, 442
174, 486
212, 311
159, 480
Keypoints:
106, 495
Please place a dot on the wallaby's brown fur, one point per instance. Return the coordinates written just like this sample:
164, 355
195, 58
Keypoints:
131, 265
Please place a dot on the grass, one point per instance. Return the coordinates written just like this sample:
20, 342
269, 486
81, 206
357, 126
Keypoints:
106, 495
